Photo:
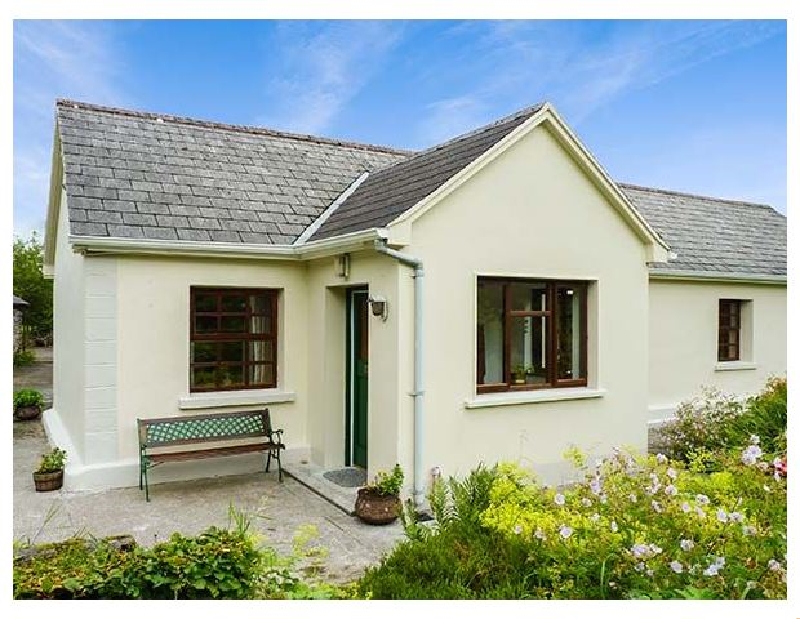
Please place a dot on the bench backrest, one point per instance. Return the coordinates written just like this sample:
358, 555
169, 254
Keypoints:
201, 428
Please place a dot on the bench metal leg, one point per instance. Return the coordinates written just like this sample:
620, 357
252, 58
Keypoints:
146, 486
269, 459
280, 469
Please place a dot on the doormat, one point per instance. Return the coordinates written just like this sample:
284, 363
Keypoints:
349, 477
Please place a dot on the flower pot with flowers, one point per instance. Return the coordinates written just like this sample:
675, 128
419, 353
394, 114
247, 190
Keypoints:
50, 474
28, 404
379, 502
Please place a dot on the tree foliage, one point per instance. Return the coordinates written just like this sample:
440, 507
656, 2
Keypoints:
30, 284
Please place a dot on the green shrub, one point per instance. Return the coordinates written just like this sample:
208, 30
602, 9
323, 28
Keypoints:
716, 424
388, 484
636, 527
52, 461
24, 358
28, 397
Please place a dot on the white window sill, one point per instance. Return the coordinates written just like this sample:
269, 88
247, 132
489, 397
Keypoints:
249, 397
724, 366
532, 397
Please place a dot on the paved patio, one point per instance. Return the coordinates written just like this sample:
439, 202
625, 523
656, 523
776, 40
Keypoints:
277, 511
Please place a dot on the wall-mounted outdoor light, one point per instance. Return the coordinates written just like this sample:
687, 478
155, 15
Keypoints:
379, 307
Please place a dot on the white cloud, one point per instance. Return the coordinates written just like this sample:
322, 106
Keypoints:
52, 59
321, 66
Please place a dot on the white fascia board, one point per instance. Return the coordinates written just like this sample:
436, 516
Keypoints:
215, 249
54, 203
315, 225
713, 276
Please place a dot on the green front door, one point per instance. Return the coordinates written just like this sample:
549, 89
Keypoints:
359, 374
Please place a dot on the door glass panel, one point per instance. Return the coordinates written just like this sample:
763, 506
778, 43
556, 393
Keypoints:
568, 333
528, 352
528, 297
490, 333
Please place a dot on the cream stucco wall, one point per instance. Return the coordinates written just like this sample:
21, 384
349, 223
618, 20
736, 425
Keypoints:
68, 338
530, 213
683, 340
153, 341
388, 398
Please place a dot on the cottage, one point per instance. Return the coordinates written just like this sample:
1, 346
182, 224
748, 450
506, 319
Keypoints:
497, 296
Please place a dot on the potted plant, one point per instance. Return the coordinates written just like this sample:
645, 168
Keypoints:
28, 404
518, 373
50, 474
379, 502
530, 374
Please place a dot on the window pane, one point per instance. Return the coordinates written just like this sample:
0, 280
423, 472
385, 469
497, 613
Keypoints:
233, 303
262, 374
230, 376
205, 302
262, 351
206, 324
490, 333
204, 352
529, 296
232, 351
260, 324
259, 304
233, 324
568, 333
528, 354
202, 378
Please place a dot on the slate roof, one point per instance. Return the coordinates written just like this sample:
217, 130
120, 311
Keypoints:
386, 194
712, 234
154, 176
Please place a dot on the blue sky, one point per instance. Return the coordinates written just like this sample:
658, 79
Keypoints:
697, 106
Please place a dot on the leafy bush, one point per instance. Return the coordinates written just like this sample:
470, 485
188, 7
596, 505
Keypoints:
24, 358
28, 397
52, 461
636, 527
388, 484
719, 423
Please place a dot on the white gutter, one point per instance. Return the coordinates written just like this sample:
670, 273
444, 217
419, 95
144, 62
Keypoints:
315, 225
713, 276
417, 394
217, 249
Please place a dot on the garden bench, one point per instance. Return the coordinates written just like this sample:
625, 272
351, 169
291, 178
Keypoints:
166, 439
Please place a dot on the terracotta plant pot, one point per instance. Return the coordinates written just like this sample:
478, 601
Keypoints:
373, 508
26, 413
45, 482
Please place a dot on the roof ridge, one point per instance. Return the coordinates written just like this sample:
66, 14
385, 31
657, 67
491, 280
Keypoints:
186, 120
697, 195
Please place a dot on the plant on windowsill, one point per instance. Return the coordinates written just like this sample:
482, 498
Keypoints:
379, 502
530, 375
518, 374
28, 404
50, 474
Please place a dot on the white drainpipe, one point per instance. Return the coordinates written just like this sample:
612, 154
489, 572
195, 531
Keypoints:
417, 394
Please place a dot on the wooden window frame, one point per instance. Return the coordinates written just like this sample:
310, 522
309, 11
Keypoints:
271, 296
553, 382
729, 308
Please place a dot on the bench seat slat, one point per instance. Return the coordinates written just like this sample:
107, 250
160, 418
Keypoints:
194, 454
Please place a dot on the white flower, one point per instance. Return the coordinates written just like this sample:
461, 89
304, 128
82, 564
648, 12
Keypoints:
540, 534
565, 531
598, 463
687, 545
559, 499
649, 572
748, 529
751, 455
670, 490
702, 499
686, 507
603, 498
676, 567
776, 475
700, 513
735, 517
774, 565
722, 516
656, 506
632, 497
767, 488
594, 517
639, 566
595, 486
614, 527
640, 550
518, 529
661, 458
719, 561
586, 502
672, 473
754, 439
656, 550
711, 570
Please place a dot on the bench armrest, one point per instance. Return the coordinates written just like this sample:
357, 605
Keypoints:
276, 433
